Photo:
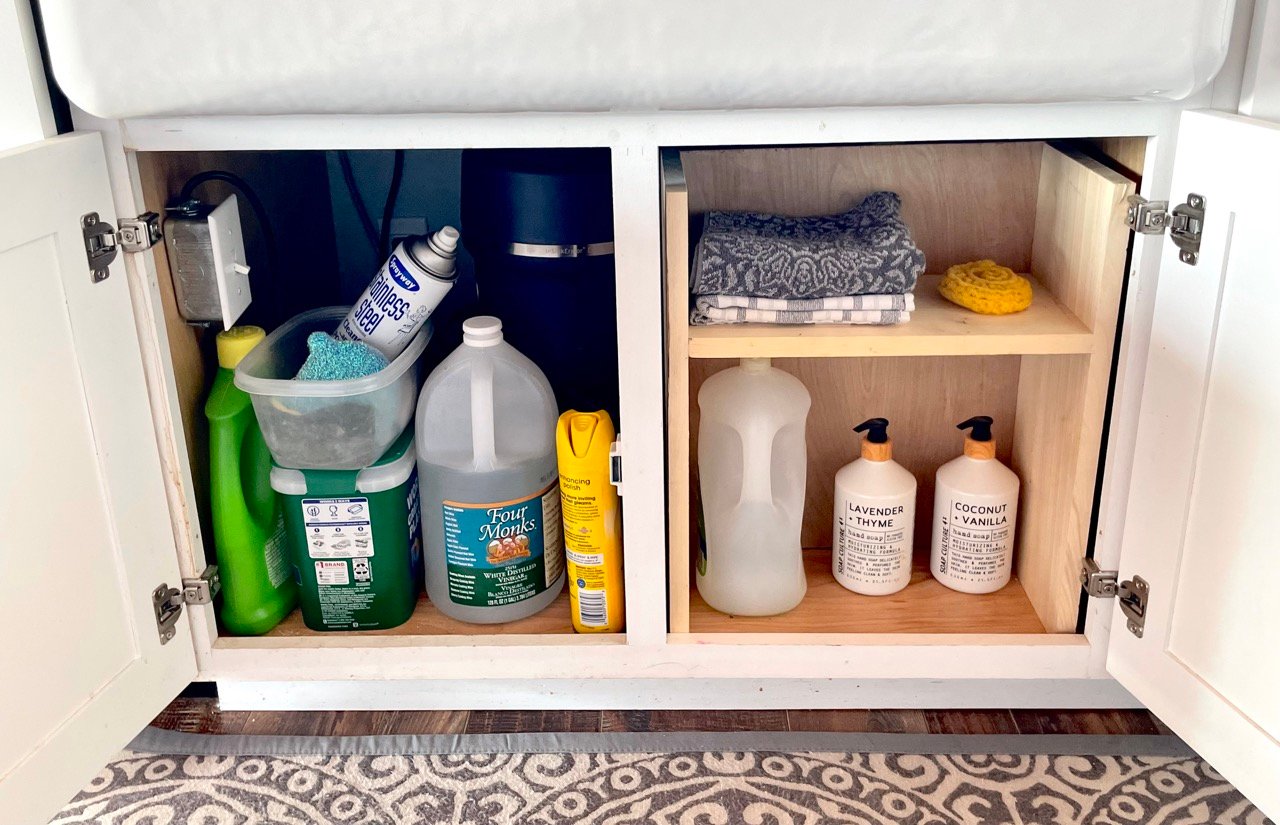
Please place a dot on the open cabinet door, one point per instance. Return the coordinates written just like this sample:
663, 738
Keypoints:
85, 535
1203, 523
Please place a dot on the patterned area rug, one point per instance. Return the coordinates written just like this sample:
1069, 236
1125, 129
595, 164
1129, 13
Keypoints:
683, 779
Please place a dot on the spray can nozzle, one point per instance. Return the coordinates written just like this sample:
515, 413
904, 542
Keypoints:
877, 430
980, 426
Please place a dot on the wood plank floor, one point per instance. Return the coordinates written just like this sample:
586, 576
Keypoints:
202, 715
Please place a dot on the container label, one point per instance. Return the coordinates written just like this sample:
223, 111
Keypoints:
393, 308
503, 553
975, 540
279, 566
344, 588
872, 541
337, 528
330, 573
401, 275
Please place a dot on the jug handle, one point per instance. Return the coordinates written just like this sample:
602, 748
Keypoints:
757, 462
483, 450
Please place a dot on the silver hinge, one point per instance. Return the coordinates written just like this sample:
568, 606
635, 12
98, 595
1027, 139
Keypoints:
139, 234
99, 246
1185, 223
1101, 584
102, 242
1133, 603
1132, 593
615, 463
201, 590
167, 602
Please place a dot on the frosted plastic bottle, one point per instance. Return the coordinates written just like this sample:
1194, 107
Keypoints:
875, 512
975, 511
751, 464
258, 587
486, 428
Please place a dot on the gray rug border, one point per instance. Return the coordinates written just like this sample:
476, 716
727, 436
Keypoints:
169, 742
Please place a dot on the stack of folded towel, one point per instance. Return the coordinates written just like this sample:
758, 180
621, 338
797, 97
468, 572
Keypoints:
858, 267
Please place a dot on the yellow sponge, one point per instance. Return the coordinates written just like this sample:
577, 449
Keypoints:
986, 287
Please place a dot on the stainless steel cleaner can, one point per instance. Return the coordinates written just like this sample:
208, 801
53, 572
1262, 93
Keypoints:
404, 293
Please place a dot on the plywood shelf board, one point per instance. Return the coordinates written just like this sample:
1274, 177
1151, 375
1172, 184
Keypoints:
1079, 251
937, 327
924, 606
675, 262
428, 621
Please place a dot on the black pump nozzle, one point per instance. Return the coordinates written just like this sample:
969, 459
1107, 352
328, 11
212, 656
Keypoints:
981, 426
877, 430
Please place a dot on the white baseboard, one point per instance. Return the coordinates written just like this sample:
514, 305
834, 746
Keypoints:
610, 694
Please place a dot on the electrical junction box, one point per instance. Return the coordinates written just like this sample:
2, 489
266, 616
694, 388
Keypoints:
205, 246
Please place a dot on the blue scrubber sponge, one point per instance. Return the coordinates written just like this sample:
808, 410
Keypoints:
334, 360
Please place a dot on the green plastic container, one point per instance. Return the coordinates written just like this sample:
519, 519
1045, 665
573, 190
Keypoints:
356, 540
258, 588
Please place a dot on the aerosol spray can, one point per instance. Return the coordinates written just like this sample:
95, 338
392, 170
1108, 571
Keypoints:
404, 293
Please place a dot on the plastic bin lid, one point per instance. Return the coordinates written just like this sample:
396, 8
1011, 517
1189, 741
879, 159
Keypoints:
387, 473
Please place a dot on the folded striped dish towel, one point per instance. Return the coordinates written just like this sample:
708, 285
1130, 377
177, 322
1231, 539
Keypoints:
849, 309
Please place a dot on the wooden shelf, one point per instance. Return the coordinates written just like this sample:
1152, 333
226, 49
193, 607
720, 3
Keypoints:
937, 327
428, 621
924, 606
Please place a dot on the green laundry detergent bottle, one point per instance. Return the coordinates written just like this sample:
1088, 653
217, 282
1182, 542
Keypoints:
258, 586
356, 540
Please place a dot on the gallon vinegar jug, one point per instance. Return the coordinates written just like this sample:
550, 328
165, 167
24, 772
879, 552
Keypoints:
751, 464
486, 433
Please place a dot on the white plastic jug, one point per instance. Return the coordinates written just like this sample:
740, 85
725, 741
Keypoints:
751, 464
490, 498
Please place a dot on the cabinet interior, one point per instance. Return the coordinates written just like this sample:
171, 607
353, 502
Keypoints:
1051, 210
320, 258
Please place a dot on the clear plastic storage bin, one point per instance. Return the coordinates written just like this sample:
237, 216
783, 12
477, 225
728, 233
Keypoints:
327, 425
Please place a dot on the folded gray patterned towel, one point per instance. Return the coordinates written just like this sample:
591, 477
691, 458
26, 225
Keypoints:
867, 250
850, 309
742, 315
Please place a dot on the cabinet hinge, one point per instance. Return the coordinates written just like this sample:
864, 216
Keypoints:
202, 589
1132, 593
167, 602
102, 242
140, 233
1098, 583
1185, 223
1133, 603
615, 463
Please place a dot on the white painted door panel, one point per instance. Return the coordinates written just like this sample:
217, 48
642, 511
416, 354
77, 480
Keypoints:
1202, 525
85, 533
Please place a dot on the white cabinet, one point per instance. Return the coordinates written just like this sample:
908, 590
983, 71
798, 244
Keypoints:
1193, 319
86, 536
1200, 542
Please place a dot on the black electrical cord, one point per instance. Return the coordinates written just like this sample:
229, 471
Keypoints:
255, 204
357, 200
389, 208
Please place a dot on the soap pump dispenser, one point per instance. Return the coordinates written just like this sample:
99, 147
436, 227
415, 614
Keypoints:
975, 510
875, 510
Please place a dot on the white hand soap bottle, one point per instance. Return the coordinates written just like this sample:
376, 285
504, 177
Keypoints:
875, 511
975, 510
